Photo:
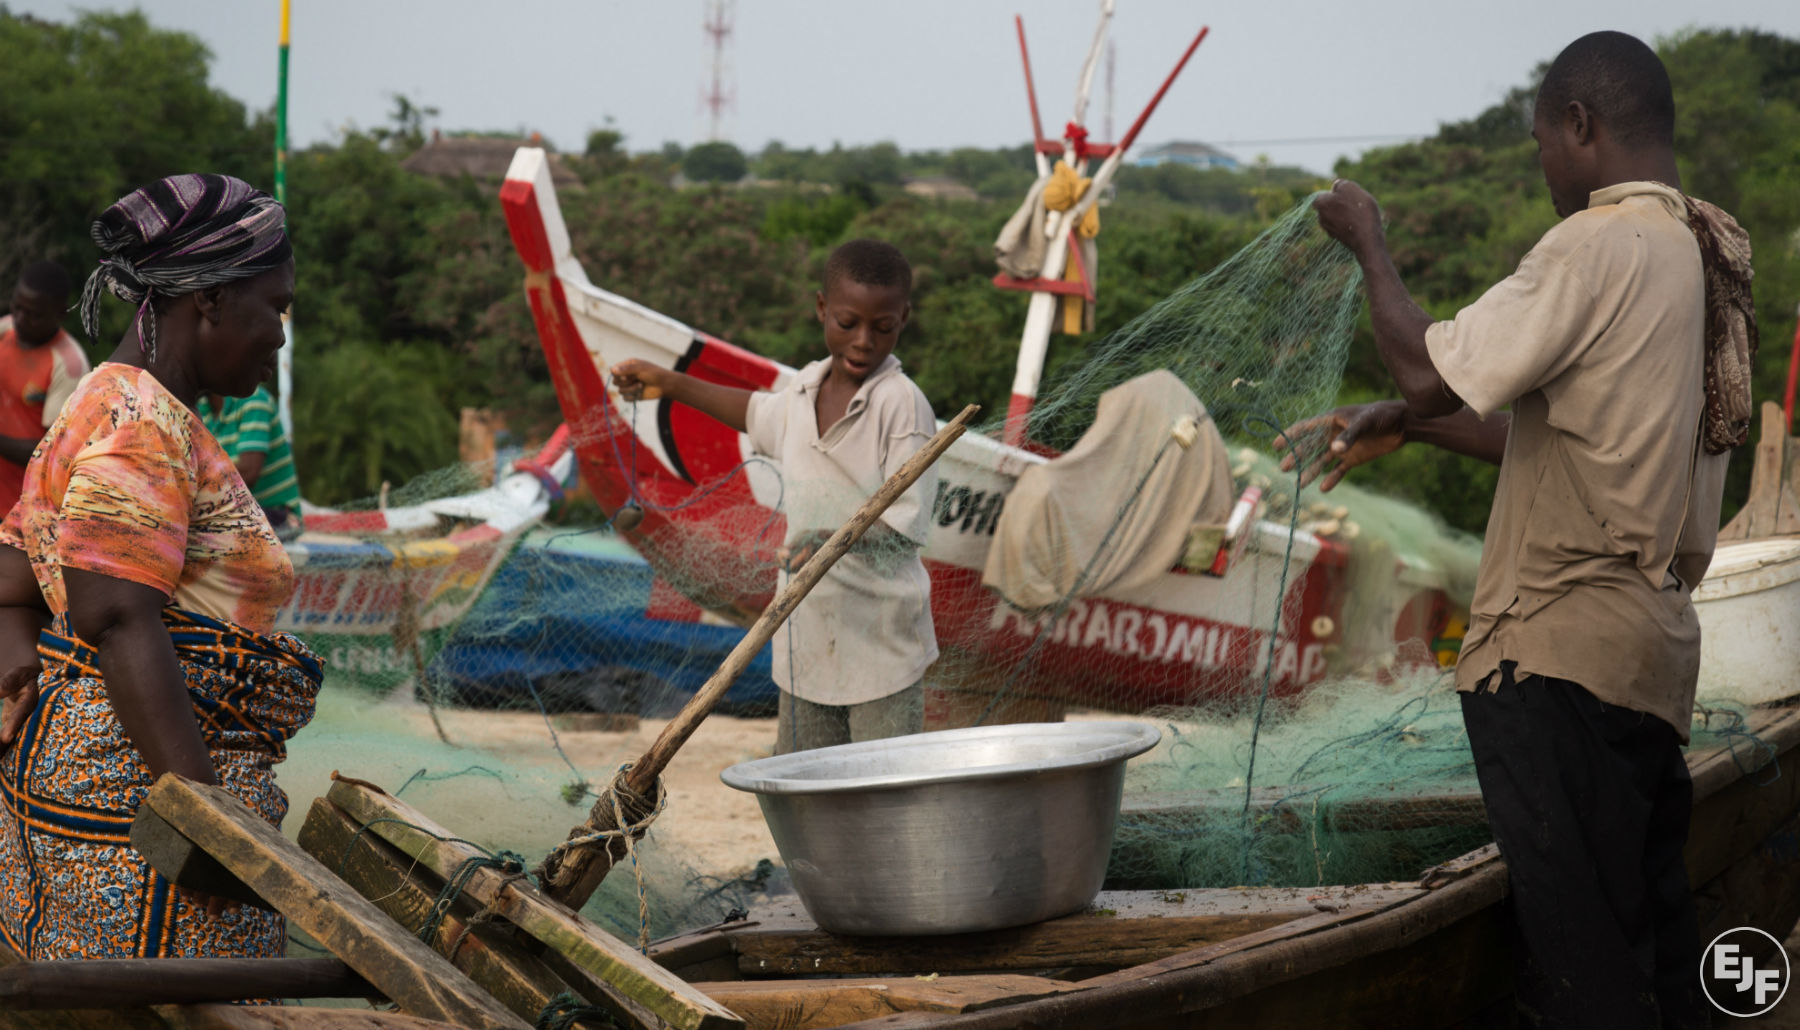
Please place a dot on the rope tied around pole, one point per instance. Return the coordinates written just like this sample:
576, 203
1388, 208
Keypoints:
632, 815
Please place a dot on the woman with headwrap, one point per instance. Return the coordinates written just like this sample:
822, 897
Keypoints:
139, 582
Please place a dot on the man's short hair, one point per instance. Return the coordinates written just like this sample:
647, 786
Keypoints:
870, 262
46, 278
1620, 81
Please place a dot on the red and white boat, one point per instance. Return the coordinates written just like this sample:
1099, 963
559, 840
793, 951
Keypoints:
711, 515
711, 520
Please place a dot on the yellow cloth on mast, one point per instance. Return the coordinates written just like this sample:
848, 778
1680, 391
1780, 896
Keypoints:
1064, 190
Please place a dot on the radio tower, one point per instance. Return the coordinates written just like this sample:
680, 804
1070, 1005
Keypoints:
716, 96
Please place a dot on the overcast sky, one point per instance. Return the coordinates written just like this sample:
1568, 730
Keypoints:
1301, 82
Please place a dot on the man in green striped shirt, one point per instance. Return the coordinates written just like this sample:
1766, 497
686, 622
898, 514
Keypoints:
249, 429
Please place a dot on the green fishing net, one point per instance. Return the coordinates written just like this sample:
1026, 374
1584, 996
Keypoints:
1292, 646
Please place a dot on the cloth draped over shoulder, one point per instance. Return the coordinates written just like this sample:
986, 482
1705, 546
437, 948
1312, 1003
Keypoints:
1731, 334
70, 884
1114, 512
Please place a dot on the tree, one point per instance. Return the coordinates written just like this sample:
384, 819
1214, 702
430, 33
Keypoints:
405, 131
605, 143
96, 108
717, 161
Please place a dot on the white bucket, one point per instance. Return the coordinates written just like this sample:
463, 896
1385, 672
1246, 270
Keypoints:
1749, 610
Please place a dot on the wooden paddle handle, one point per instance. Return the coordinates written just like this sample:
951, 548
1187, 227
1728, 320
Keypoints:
646, 769
571, 876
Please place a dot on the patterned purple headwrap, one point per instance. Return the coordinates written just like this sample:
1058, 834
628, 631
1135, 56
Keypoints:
179, 235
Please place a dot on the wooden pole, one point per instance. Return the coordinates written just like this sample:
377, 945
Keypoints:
1037, 124
122, 983
284, 362
572, 875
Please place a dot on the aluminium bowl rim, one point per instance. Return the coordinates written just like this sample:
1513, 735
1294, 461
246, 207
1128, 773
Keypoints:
1134, 738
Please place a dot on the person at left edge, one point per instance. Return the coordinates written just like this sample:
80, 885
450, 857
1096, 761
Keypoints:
39, 366
139, 582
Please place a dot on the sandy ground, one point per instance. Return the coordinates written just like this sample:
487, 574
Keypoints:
714, 828
709, 826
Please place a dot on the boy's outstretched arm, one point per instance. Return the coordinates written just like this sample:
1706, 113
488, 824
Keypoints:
640, 380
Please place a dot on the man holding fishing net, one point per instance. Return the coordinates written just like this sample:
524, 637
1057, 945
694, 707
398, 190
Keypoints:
1623, 346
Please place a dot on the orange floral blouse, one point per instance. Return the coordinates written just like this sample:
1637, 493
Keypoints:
129, 484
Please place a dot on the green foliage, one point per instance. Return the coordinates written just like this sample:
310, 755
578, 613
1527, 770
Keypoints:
367, 413
717, 161
408, 304
92, 109
815, 218
605, 143
405, 131
1219, 190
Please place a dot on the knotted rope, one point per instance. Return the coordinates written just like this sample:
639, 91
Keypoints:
632, 814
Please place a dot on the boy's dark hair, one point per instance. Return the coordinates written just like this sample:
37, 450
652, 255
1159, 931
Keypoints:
870, 262
46, 278
1621, 81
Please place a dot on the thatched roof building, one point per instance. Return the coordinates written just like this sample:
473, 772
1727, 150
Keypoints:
480, 157
940, 187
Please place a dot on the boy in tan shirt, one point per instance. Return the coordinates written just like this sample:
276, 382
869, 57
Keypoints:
851, 658
1583, 649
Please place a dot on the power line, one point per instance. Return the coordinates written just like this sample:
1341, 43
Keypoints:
1392, 137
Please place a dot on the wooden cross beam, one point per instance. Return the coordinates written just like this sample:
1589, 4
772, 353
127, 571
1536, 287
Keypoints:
632, 979
398, 964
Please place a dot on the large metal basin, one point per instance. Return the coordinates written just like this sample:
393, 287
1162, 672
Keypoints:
948, 832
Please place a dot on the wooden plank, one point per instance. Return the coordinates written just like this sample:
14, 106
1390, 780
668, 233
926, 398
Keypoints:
485, 951
1291, 809
185, 863
1737, 806
418, 979
1760, 890
289, 1017
217, 1017
1169, 991
629, 976
1721, 766
172, 981
206, 1017
818, 1004
1121, 928
701, 955
1771, 509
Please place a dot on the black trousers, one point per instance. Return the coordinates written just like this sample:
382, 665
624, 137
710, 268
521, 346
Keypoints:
1589, 803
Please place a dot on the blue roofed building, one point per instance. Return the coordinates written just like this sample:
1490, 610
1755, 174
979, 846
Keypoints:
1194, 155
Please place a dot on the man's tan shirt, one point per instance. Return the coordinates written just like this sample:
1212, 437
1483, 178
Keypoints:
1607, 508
